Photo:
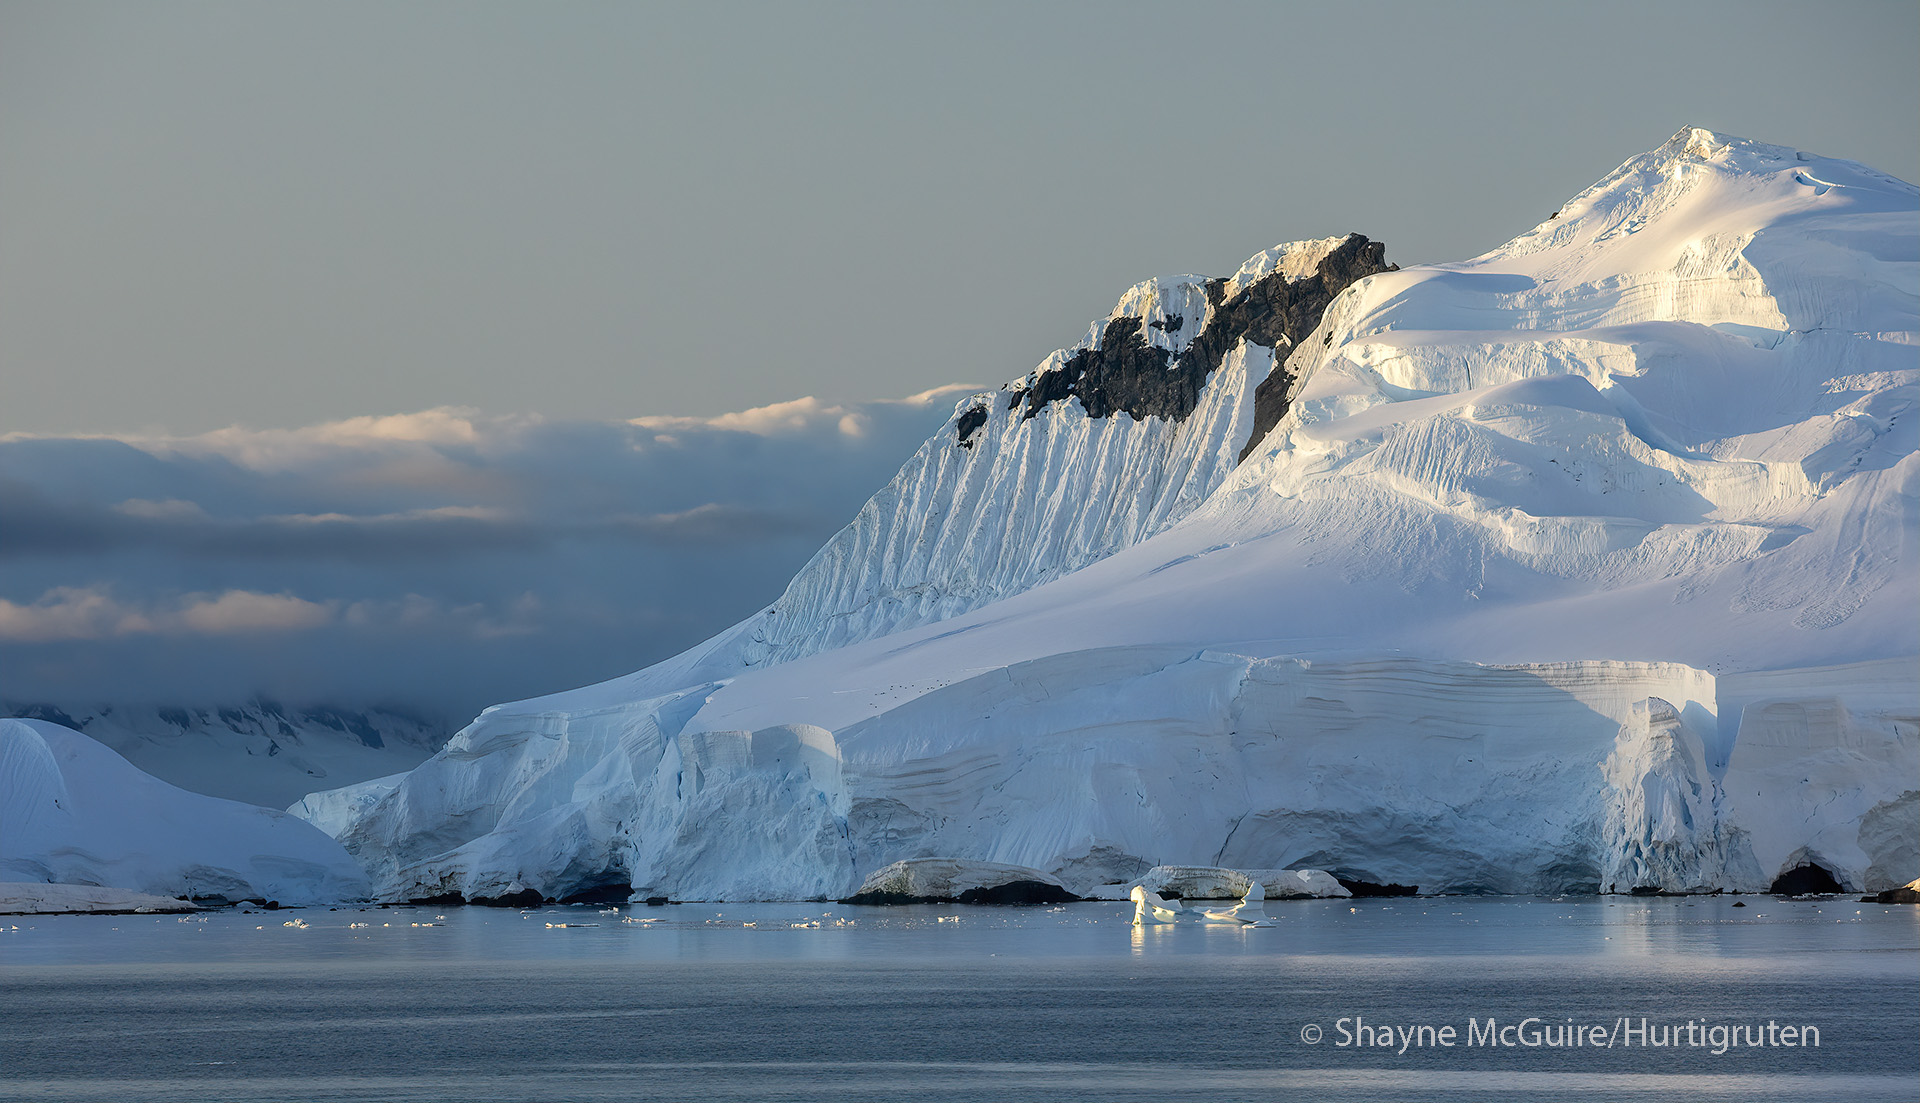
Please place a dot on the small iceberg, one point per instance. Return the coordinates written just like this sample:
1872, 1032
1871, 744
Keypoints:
1251, 910
1150, 910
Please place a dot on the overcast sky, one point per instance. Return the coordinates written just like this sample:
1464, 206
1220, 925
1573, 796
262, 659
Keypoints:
323, 325
276, 214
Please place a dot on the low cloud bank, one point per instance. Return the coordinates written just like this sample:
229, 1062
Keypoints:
443, 560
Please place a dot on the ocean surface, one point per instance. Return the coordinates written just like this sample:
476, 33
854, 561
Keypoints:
757, 1002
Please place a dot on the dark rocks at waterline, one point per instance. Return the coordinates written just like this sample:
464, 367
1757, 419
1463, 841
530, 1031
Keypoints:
525, 898
1806, 880
959, 881
1011, 894
1370, 888
1906, 894
615, 893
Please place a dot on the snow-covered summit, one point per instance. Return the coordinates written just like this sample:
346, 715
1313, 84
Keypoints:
1690, 394
1585, 563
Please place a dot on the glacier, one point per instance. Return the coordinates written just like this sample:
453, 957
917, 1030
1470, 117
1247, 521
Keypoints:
1586, 564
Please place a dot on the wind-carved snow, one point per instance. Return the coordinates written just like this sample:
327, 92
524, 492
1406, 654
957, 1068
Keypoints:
1030, 501
1013, 491
1584, 564
1698, 363
1025, 499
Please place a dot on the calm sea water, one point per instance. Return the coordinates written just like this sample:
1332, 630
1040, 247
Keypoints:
738, 1002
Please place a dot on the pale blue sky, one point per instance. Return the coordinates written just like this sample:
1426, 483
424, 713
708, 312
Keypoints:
279, 214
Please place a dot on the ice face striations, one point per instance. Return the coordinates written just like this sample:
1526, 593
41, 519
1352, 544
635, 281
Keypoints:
1584, 564
1101, 446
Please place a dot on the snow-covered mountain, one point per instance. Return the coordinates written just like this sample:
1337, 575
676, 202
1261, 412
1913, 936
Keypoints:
1588, 563
259, 752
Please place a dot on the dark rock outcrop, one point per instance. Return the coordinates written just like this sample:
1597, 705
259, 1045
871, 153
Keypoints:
968, 424
1122, 373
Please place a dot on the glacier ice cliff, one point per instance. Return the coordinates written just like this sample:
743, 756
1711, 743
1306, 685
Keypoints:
1583, 565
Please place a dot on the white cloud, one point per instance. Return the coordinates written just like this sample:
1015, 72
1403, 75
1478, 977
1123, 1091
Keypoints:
801, 415
92, 613
68, 613
436, 513
447, 558
170, 509
246, 611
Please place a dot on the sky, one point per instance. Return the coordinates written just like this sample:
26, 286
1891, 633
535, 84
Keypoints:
336, 339
435, 562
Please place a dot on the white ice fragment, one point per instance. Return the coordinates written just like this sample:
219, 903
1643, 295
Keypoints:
1150, 910
1251, 910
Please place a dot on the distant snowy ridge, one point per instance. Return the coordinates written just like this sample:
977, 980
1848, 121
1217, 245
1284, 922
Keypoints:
1587, 564
255, 751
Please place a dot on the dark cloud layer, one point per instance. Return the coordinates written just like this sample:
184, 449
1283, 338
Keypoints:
441, 561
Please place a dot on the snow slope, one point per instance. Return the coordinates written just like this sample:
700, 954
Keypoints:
74, 812
1584, 564
1027, 484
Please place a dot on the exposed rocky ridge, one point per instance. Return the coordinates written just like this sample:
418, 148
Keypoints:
1019, 489
1122, 372
1040, 478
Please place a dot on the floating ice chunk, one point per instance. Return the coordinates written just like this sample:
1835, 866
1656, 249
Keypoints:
1150, 910
1251, 910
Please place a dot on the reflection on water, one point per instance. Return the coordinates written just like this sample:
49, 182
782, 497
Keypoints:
798, 1001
